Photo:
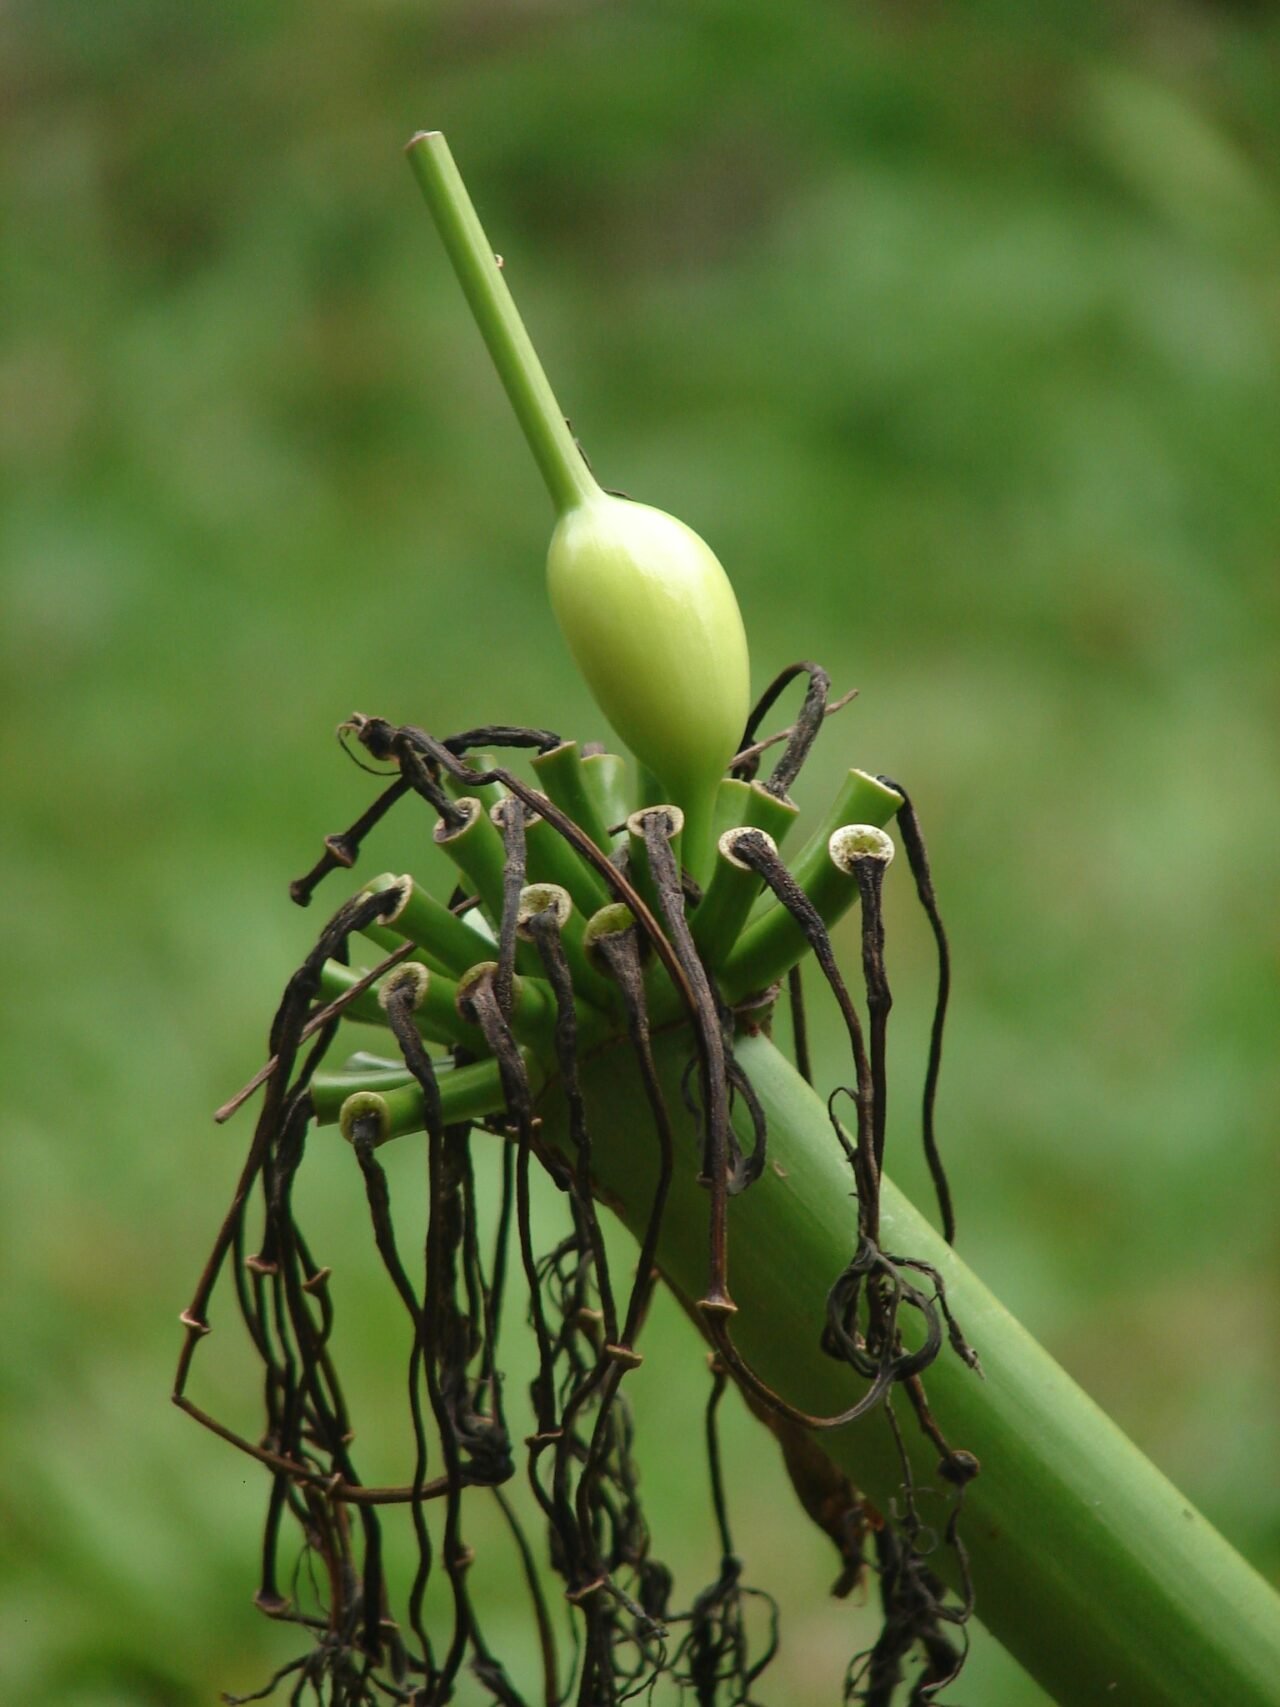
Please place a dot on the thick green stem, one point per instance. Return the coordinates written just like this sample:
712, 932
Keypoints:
775, 941
568, 478
1088, 1565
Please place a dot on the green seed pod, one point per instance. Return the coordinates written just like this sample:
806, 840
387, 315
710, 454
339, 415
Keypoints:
652, 623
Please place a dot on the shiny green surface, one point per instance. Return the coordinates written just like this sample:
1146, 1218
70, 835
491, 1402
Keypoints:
860, 799
550, 859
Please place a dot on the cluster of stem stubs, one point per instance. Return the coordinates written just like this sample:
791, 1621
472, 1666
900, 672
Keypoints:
575, 928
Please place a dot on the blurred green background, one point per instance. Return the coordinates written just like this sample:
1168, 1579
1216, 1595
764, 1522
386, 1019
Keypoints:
956, 331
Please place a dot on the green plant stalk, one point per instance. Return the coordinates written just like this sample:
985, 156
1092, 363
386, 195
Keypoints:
388, 941
487, 793
1089, 1566
448, 942
478, 851
476, 848
466, 1093
533, 1015
592, 989
725, 904
567, 476
330, 1090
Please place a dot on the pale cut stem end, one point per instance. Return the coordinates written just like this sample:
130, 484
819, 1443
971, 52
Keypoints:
537, 898
852, 842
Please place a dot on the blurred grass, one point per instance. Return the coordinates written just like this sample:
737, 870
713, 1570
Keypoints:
958, 336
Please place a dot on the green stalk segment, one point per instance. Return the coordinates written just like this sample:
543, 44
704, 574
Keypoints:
561, 774
387, 941
336, 980
476, 848
739, 804
567, 476
437, 1005
604, 776
1087, 1564
665, 1004
729, 897
612, 920
436, 1017
365, 1061
860, 799
550, 859
467, 1093
449, 943
330, 1090
773, 942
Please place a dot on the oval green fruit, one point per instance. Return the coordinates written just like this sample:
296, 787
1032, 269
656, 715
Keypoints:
652, 622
